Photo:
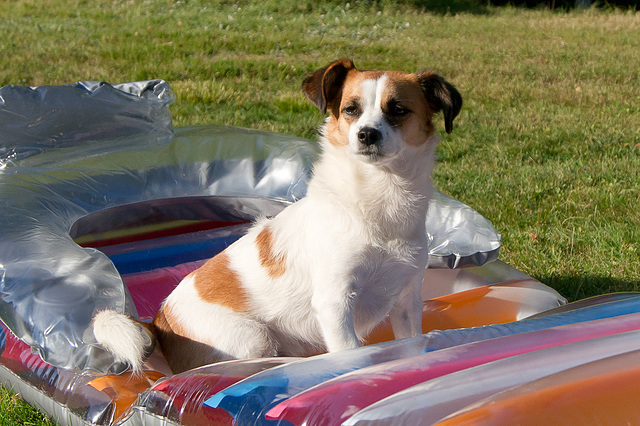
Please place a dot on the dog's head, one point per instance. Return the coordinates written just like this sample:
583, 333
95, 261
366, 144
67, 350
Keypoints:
378, 114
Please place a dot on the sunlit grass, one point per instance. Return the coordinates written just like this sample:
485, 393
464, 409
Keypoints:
14, 411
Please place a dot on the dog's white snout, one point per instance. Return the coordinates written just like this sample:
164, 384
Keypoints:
369, 136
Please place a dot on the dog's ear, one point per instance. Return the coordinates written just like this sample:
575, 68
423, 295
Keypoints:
441, 96
323, 87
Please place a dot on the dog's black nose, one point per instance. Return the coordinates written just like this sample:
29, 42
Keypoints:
369, 135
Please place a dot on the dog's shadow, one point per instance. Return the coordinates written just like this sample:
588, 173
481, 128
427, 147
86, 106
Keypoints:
577, 287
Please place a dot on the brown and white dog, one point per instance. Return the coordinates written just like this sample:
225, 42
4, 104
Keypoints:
325, 271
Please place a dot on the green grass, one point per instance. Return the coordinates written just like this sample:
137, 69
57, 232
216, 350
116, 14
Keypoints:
547, 145
14, 411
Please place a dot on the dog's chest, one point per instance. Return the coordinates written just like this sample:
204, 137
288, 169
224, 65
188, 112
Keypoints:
372, 249
387, 265
379, 280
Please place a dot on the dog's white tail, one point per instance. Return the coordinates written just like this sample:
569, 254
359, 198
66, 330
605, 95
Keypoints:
128, 340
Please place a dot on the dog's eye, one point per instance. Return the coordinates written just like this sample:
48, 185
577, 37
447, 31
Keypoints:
399, 111
351, 110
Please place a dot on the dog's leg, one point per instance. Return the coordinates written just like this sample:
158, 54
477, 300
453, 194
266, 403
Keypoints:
406, 315
334, 311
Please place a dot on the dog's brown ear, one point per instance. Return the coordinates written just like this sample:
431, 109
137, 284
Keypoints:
441, 96
324, 86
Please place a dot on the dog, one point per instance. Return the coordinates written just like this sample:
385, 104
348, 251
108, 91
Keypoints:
327, 269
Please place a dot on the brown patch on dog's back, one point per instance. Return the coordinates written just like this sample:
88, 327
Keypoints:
273, 262
217, 283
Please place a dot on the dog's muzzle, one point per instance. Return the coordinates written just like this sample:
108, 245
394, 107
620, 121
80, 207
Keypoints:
369, 136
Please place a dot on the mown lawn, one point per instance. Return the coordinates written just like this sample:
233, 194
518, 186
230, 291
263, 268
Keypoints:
547, 145
14, 411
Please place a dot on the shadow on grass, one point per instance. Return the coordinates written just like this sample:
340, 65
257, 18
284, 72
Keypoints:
474, 7
443, 7
578, 287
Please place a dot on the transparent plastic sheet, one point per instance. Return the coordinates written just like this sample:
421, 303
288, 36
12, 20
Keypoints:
602, 392
45, 292
263, 391
148, 255
589, 301
433, 400
334, 401
459, 236
44, 124
504, 302
180, 398
62, 394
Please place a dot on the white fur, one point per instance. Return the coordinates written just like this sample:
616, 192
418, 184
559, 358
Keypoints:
355, 250
372, 112
109, 327
210, 324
